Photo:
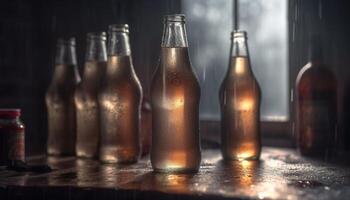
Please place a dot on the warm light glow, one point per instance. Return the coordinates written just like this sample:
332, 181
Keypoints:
245, 164
239, 69
173, 182
178, 102
246, 104
241, 63
109, 105
174, 103
247, 172
110, 158
176, 160
244, 155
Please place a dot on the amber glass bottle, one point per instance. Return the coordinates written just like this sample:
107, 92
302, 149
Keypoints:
240, 98
120, 102
88, 119
175, 94
316, 108
60, 100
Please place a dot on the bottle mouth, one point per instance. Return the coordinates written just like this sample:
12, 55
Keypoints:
119, 28
238, 34
174, 18
97, 35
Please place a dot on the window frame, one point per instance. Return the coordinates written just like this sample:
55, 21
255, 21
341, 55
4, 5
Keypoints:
274, 132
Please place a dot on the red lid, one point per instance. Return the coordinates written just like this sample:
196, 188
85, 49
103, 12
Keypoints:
9, 112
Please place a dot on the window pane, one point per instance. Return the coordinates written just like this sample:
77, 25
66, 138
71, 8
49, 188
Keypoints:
266, 23
209, 23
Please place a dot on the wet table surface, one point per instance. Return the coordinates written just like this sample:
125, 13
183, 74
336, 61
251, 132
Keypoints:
280, 174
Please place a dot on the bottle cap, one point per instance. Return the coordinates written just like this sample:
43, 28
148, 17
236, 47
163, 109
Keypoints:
174, 18
9, 112
119, 28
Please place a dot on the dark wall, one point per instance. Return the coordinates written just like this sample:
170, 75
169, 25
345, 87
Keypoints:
329, 20
29, 29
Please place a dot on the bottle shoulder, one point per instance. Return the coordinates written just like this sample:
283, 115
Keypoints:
316, 83
175, 82
85, 94
122, 89
315, 70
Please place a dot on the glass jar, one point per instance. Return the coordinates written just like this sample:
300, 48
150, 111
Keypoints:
12, 145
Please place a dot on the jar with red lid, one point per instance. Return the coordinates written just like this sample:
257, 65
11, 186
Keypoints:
11, 136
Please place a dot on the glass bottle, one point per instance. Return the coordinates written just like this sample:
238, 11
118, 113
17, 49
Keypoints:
120, 102
175, 95
316, 107
240, 98
12, 142
86, 103
60, 100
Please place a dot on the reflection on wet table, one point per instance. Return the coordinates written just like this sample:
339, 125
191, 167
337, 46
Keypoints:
281, 174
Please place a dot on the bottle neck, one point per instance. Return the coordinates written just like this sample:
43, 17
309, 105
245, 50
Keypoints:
239, 61
118, 44
96, 48
239, 47
66, 53
174, 32
119, 67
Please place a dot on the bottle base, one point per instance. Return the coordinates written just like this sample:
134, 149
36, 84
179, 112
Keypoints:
121, 156
241, 157
241, 154
175, 171
254, 158
126, 162
84, 154
55, 153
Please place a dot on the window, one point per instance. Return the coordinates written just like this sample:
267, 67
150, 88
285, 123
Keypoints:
209, 24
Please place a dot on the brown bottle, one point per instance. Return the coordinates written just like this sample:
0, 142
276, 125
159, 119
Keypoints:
120, 102
240, 105
60, 100
316, 93
88, 119
175, 94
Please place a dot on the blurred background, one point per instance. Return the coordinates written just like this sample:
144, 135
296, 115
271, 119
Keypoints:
278, 32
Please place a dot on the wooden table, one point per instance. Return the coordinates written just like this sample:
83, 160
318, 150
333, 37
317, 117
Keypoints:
281, 174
